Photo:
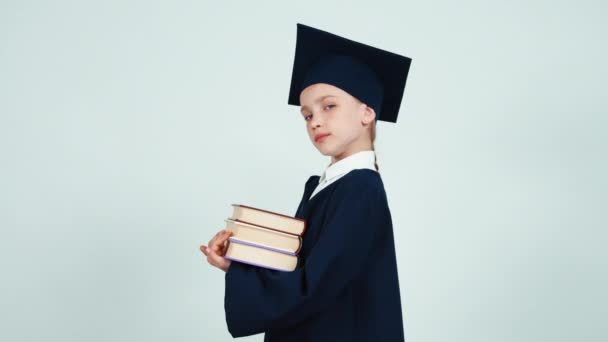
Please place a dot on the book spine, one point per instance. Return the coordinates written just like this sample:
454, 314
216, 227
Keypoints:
236, 240
267, 211
254, 264
257, 225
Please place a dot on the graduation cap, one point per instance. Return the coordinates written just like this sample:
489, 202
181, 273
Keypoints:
374, 76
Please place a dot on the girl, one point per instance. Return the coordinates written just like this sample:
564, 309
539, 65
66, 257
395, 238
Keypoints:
346, 286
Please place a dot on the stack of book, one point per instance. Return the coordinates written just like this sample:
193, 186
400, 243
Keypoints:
264, 238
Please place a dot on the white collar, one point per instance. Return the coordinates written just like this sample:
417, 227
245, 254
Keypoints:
358, 160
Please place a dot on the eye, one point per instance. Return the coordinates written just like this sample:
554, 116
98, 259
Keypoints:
331, 105
307, 116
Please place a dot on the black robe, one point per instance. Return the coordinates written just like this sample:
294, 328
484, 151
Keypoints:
345, 286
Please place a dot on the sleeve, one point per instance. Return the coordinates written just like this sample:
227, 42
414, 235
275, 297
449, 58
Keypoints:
257, 299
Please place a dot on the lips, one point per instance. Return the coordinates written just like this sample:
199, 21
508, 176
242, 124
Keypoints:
320, 136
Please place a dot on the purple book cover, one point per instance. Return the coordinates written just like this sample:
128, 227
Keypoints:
260, 246
233, 240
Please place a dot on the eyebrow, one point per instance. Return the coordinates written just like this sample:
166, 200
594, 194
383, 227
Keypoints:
316, 101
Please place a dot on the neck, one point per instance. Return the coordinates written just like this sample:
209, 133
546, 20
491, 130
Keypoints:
338, 157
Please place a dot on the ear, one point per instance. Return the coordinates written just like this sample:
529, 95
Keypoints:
369, 115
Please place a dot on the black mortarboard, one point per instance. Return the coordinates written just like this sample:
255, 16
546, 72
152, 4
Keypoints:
374, 76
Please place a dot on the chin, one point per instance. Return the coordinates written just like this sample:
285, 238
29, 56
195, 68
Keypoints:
326, 151
322, 149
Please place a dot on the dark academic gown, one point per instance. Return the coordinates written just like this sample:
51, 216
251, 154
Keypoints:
345, 286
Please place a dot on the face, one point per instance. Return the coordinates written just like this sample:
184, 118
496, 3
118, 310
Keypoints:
342, 119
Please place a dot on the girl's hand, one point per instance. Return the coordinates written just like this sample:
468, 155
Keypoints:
216, 250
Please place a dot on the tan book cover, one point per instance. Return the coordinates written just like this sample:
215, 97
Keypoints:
268, 219
260, 257
267, 238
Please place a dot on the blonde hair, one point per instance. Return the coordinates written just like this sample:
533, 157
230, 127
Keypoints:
373, 136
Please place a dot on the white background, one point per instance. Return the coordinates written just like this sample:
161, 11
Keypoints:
127, 128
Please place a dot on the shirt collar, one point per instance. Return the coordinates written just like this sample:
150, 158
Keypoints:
358, 160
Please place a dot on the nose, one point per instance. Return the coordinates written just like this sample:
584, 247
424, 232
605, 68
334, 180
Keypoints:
316, 121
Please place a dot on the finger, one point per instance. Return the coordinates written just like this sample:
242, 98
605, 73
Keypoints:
219, 243
210, 243
213, 259
204, 249
214, 238
220, 246
223, 237
224, 247
216, 260
226, 243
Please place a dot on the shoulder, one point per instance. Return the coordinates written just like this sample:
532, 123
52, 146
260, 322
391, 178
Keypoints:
360, 192
365, 184
364, 179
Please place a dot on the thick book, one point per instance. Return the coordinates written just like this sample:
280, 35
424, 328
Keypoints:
252, 234
268, 219
257, 255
